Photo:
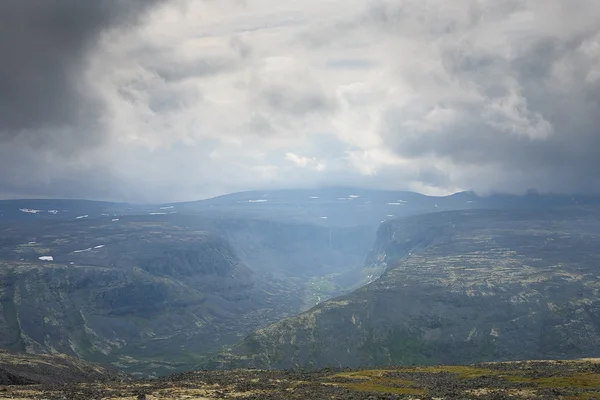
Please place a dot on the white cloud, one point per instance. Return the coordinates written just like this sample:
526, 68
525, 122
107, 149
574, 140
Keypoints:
305, 162
208, 97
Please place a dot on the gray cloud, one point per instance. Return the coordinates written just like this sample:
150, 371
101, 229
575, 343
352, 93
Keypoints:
288, 100
525, 114
105, 99
181, 71
44, 46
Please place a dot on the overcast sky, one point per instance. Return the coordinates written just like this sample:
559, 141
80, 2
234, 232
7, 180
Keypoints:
171, 100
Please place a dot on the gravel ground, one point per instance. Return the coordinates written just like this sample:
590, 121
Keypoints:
533, 380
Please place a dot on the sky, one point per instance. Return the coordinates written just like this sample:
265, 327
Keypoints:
170, 100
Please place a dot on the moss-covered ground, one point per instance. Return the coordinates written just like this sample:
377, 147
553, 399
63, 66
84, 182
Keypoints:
531, 379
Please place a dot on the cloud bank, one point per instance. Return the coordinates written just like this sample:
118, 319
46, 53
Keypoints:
183, 99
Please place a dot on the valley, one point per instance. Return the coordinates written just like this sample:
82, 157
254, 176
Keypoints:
456, 287
321, 200
298, 278
156, 294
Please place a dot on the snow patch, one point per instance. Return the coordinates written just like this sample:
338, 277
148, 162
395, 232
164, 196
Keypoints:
395, 204
81, 251
46, 258
82, 216
257, 201
353, 196
167, 208
53, 212
115, 219
389, 215
313, 197
30, 211
157, 213
99, 246
323, 217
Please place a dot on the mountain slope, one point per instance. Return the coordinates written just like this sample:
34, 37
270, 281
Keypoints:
332, 207
56, 369
158, 287
141, 294
458, 287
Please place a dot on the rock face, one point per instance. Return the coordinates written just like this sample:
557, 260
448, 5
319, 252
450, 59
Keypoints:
457, 287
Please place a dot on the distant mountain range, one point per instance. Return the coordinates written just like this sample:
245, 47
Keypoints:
162, 288
327, 207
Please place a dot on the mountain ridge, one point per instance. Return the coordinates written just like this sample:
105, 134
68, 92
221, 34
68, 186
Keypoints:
284, 259
451, 285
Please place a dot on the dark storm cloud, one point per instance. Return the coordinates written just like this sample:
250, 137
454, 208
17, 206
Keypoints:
527, 111
43, 49
430, 95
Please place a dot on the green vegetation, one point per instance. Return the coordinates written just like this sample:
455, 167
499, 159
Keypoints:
383, 388
577, 380
377, 381
395, 380
407, 349
9, 309
462, 371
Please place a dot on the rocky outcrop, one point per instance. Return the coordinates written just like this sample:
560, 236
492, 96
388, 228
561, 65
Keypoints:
457, 287
56, 369
577, 379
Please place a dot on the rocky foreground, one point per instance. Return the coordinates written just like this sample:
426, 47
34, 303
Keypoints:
67, 379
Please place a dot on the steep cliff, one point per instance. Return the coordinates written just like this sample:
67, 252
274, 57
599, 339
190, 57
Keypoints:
456, 287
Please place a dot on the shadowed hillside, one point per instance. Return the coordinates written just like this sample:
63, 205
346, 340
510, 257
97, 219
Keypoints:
456, 287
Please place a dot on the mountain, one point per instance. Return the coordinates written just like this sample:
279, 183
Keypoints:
158, 288
155, 294
363, 207
27, 210
456, 287
578, 379
142, 294
56, 369
324, 206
